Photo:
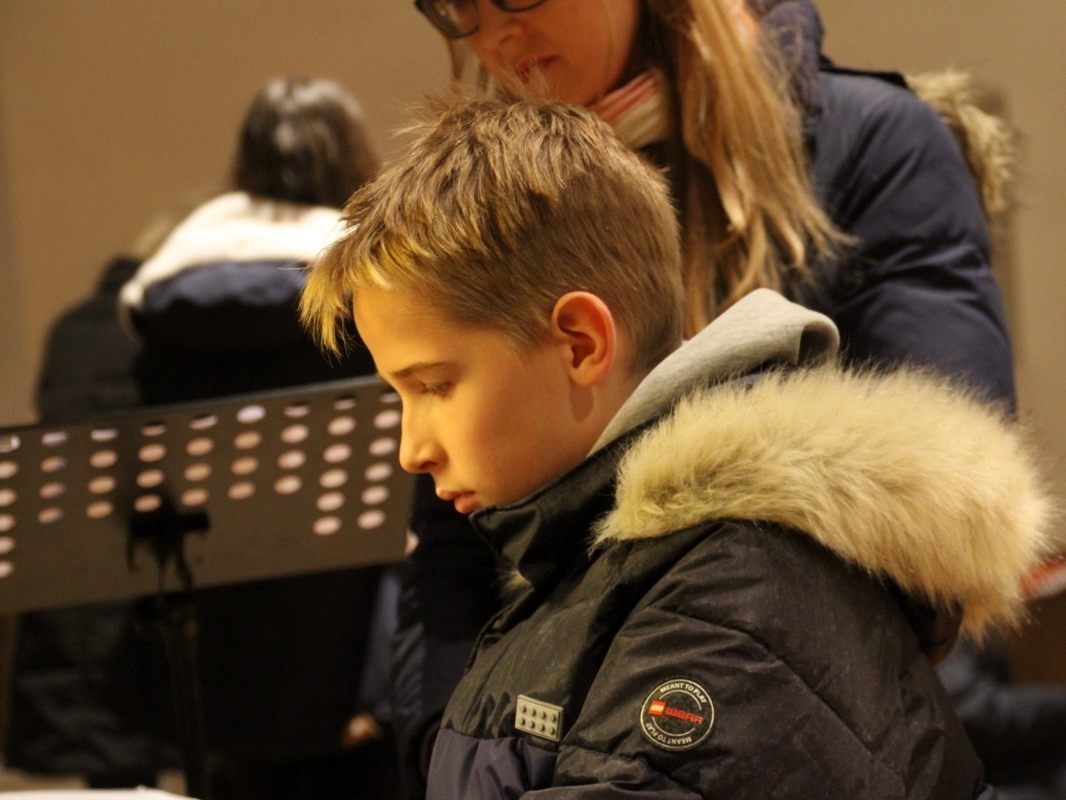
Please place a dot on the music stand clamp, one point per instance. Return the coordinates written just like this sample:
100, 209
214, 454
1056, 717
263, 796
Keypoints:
151, 502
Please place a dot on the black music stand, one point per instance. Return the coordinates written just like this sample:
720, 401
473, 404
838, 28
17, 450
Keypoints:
163, 500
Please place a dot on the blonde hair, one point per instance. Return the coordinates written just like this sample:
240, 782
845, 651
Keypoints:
496, 210
748, 214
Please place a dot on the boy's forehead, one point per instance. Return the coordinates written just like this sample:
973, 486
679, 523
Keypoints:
388, 313
399, 308
395, 336
401, 329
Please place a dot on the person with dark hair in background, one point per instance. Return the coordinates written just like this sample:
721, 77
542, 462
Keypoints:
303, 142
294, 707
292, 669
214, 306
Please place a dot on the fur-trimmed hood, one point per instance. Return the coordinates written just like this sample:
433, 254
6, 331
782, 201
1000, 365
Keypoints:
901, 474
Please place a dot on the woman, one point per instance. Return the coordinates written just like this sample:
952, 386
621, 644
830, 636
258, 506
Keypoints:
840, 188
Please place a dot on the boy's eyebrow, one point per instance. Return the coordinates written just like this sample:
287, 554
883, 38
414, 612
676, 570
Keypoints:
410, 370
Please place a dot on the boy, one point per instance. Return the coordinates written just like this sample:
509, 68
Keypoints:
729, 573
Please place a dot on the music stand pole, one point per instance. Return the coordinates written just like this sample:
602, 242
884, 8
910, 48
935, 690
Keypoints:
171, 616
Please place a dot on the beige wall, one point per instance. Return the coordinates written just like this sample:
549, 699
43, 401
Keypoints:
112, 111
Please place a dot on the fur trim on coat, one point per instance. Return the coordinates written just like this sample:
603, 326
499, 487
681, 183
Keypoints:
897, 473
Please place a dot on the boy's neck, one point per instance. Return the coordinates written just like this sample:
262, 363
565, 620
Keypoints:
612, 396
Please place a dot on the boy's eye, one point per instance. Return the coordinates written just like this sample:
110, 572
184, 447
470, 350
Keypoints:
436, 388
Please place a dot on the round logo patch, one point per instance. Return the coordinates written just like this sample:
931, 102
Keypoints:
677, 715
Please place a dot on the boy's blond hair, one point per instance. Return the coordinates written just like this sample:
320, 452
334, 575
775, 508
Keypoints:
497, 209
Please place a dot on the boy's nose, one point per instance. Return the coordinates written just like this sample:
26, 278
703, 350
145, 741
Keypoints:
418, 453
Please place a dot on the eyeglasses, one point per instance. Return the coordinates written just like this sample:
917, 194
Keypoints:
459, 18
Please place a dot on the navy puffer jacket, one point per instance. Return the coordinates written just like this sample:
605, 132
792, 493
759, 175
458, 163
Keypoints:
738, 598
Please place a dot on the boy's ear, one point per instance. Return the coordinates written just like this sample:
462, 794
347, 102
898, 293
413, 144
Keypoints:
584, 326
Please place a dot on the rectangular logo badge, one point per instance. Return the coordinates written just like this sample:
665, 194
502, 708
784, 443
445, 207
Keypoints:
539, 718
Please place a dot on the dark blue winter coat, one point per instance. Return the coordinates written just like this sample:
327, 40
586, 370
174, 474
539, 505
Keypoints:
738, 598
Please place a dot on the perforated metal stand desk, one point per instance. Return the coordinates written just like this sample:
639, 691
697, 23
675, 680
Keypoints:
164, 500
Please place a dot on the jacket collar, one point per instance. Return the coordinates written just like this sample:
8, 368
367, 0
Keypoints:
761, 329
546, 534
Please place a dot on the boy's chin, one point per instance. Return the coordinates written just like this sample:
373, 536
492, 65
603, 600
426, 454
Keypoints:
467, 503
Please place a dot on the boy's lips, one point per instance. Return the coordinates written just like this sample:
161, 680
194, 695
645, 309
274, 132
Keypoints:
464, 502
